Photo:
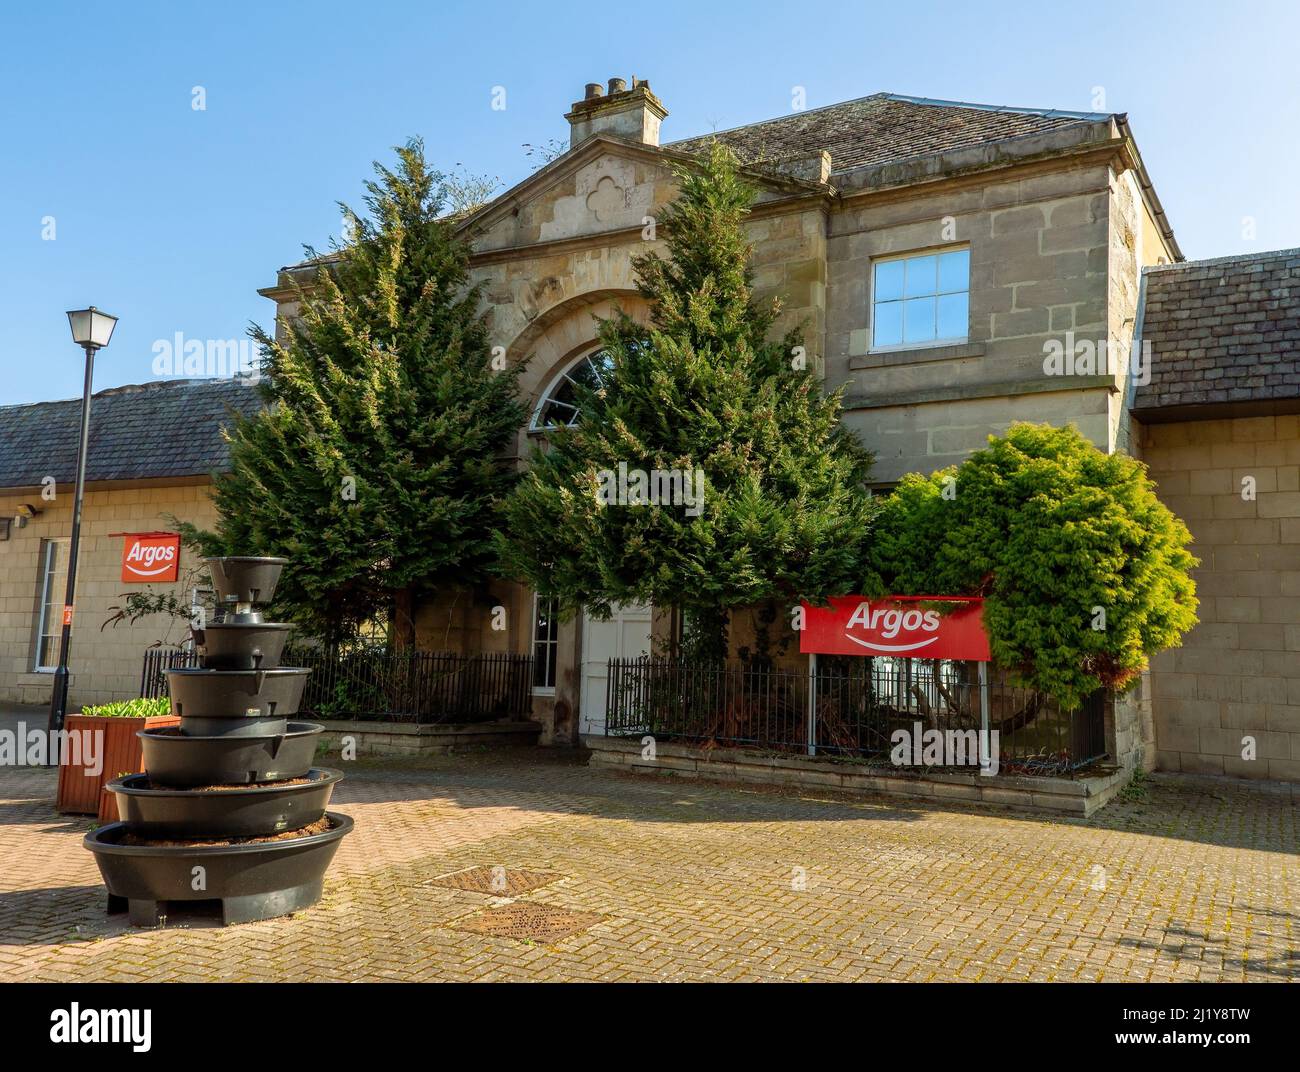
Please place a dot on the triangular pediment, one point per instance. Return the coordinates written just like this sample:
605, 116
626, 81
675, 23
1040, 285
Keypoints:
604, 185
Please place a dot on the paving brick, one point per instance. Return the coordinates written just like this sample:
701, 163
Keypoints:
700, 881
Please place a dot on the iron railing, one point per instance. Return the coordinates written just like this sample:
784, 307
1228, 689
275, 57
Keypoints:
384, 686
157, 661
860, 704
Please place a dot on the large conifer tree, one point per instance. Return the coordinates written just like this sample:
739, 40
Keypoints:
704, 386
376, 467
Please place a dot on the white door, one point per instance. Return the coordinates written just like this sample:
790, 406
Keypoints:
625, 636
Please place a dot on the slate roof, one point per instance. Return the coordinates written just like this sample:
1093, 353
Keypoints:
885, 127
170, 428
1222, 332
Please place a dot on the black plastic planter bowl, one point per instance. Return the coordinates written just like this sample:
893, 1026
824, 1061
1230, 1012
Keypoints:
244, 645
252, 881
253, 811
235, 693
174, 759
244, 726
245, 579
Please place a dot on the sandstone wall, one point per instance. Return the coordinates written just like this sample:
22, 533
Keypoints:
1238, 672
105, 663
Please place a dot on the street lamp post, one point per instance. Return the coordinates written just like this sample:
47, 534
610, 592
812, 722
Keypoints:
91, 330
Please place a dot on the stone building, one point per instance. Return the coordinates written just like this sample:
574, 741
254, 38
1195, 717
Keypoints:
957, 267
1220, 430
930, 248
152, 451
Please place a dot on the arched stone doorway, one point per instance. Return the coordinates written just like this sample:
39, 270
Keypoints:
560, 345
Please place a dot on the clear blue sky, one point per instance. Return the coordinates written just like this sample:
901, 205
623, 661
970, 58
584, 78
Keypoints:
171, 217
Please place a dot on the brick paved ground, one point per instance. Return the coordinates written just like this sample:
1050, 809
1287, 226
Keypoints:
694, 881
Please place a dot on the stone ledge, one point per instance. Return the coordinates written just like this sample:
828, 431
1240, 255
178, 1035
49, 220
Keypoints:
427, 729
964, 392
412, 739
1070, 796
918, 355
34, 687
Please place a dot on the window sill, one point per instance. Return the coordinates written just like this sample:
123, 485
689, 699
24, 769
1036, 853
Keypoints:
540, 691
917, 355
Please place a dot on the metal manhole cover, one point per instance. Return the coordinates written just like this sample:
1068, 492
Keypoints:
496, 881
528, 921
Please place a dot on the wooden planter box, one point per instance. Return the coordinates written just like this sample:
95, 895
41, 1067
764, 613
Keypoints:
81, 792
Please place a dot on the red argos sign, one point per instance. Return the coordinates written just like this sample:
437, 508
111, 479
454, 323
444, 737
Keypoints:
896, 625
151, 557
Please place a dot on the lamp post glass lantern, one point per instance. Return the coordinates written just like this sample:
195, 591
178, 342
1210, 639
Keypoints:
91, 327
91, 330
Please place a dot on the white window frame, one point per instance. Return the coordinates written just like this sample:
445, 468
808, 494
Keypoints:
930, 344
551, 643
535, 426
46, 602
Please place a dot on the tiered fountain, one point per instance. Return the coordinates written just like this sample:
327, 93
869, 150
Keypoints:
229, 808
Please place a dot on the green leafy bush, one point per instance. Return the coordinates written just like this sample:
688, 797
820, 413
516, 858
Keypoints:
1084, 570
137, 708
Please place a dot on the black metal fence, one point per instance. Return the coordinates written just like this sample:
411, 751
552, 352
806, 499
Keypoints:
860, 705
384, 686
157, 661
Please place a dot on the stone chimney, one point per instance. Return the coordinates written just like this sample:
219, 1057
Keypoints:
633, 114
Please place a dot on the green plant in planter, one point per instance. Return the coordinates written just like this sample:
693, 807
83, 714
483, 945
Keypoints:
140, 707
1085, 573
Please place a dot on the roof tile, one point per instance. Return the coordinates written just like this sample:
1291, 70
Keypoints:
169, 428
884, 128
1235, 316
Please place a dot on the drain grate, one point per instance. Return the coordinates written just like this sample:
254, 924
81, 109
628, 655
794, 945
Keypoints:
529, 922
496, 881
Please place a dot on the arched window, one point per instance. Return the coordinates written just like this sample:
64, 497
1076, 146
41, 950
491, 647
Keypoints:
559, 403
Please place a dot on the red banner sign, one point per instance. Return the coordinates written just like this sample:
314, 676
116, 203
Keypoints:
151, 557
901, 626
